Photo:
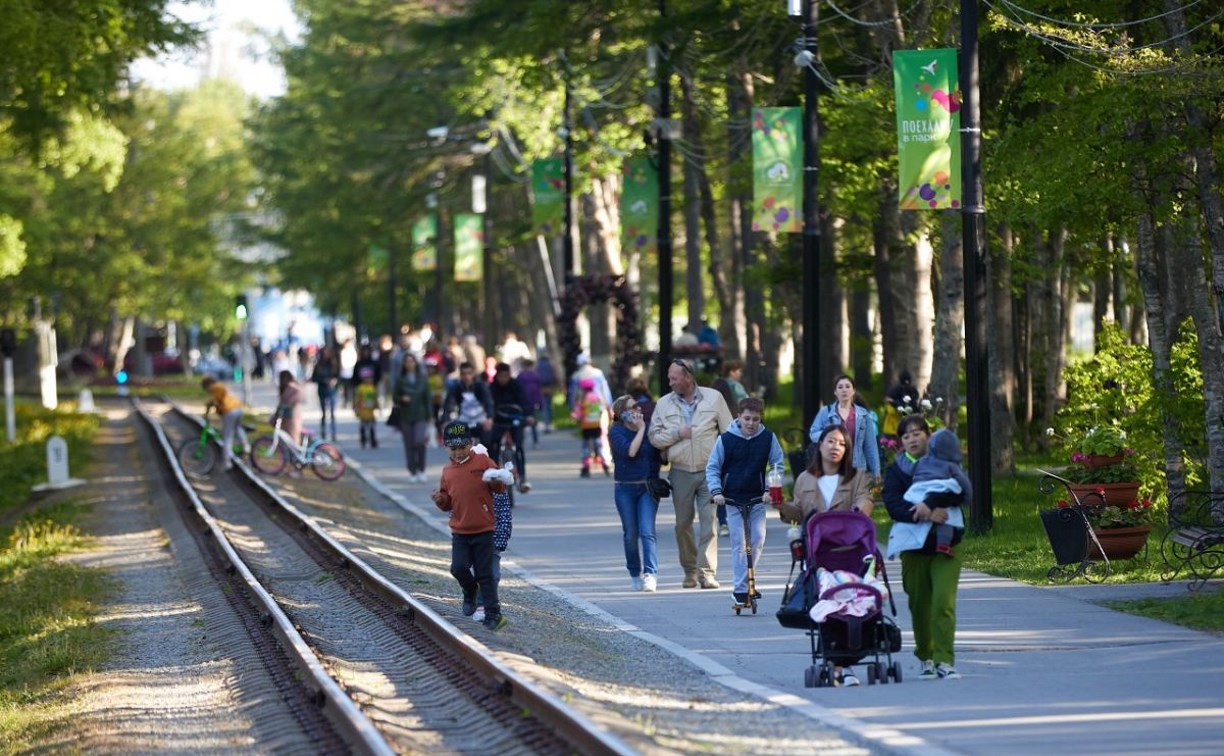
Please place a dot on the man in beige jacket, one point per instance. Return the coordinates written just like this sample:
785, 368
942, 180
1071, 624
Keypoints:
685, 425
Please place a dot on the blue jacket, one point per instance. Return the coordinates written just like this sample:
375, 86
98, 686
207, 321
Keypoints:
733, 470
866, 435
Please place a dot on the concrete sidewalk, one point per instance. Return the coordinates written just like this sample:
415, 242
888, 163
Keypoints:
1046, 669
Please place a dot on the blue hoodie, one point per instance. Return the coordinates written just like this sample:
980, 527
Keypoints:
737, 464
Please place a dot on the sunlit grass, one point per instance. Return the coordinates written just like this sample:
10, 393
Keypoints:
47, 630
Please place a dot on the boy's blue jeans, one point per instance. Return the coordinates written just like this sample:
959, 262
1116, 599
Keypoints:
637, 510
472, 564
739, 559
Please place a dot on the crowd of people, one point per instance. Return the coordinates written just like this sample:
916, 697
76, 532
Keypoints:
712, 440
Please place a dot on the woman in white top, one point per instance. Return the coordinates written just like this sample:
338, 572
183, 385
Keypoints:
829, 482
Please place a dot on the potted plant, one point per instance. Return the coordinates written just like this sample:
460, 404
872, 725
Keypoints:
1102, 469
1103, 445
1121, 530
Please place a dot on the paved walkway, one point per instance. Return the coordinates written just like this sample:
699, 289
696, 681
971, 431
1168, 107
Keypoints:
1046, 670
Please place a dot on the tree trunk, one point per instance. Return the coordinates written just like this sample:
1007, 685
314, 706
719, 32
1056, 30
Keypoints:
1151, 283
1208, 303
1101, 290
1001, 357
691, 130
749, 311
949, 319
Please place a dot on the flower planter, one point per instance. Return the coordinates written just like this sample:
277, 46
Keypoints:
1116, 494
1094, 461
1119, 543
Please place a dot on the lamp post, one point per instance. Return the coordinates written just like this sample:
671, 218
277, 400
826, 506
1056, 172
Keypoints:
665, 237
973, 232
810, 389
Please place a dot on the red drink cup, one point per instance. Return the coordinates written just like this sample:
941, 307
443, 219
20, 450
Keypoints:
775, 494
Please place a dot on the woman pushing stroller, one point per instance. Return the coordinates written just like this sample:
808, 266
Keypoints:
830, 483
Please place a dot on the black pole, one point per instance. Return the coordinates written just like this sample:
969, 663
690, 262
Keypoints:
809, 389
665, 236
973, 230
392, 317
486, 262
567, 243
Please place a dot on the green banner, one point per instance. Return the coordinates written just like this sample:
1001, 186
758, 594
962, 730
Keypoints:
424, 243
777, 170
928, 128
378, 257
469, 246
548, 195
640, 207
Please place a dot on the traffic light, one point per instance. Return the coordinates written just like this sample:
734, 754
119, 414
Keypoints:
240, 307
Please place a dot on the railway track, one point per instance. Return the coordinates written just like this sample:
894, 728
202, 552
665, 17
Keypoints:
382, 672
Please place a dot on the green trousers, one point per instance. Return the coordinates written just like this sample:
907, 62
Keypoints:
930, 582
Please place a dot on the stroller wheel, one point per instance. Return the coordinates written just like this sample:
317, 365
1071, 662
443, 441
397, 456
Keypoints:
881, 673
826, 676
895, 671
737, 608
809, 678
872, 676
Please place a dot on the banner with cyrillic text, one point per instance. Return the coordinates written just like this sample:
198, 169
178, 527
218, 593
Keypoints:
424, 243
547, 195
640, 207
469, 246
928, 100
777, 170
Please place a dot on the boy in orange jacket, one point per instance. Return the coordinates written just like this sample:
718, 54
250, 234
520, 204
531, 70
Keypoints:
466, 491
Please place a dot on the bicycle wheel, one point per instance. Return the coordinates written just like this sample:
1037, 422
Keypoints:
510, 452
267, 456
327, 461
198, 457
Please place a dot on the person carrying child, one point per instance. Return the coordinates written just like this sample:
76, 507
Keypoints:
365, 405
466, 491
230, 409
736, 471
591, 412
940, 471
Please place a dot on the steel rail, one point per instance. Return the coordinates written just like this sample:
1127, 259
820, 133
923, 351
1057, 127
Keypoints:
570, 724
340, 709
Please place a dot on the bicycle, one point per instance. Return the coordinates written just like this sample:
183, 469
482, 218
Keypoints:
270, 454
508, 418
198, 456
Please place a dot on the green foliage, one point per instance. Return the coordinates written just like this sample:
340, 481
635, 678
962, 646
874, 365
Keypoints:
1114, 391
67, 57
1200, 611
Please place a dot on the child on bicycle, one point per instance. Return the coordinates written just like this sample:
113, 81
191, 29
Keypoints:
230, 409
365, 405
591, 412
735, 474
466, 491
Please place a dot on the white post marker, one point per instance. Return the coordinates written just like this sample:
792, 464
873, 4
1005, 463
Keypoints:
57, 467
10, 417
85, 402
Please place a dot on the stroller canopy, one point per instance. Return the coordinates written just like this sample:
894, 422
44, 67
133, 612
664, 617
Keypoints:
840, 541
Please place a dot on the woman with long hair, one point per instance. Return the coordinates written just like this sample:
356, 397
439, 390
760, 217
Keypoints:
410, 392
856, 418
830, 481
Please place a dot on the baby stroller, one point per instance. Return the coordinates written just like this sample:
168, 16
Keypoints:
837, 598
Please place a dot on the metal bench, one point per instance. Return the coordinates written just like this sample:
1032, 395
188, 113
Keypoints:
1194, 542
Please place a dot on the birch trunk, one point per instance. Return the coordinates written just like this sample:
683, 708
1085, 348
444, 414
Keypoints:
1001, 355
949, 319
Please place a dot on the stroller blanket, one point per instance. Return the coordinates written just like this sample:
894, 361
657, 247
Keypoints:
847, 602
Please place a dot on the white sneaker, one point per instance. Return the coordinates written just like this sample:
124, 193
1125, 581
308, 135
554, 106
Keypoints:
637, 583
946, 672
648, 583
479, 615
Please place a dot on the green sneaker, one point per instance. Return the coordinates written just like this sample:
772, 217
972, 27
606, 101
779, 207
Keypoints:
495, 622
